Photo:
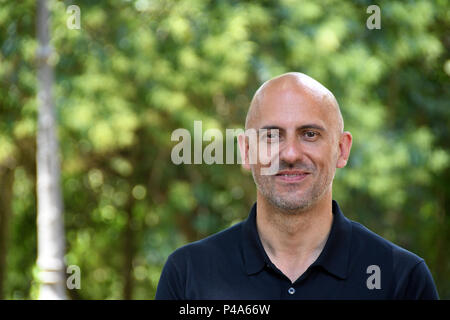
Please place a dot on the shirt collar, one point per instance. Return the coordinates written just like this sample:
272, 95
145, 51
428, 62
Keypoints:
254, 255
333, 258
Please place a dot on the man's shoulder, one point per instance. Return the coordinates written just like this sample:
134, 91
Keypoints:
217, 243
365, 240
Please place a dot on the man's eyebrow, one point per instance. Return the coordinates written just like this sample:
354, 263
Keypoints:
311, 126
303, 127
271, 127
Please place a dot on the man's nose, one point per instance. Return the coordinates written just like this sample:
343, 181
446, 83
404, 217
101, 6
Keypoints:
291, 152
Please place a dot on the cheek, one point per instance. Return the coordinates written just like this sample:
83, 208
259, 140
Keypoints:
330, 168
324, 161
265, 159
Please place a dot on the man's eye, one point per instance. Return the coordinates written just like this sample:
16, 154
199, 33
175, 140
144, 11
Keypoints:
272, 135
311, 134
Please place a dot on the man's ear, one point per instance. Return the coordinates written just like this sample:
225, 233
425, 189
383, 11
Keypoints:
244, 149
345, 144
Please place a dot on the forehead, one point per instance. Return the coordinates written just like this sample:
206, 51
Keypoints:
287, 106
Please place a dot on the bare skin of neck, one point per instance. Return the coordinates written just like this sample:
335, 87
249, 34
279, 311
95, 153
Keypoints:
293, 241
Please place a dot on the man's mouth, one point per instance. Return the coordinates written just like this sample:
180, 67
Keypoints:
291, 175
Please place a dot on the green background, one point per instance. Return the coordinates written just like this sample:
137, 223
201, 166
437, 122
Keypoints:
137, 70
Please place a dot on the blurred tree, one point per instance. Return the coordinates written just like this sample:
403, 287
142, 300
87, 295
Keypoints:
51, 242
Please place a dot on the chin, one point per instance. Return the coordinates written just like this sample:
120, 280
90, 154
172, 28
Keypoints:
291, 206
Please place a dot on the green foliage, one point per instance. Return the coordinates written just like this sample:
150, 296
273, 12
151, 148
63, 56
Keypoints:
139, 69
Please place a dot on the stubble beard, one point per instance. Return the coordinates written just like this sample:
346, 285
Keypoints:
290, 201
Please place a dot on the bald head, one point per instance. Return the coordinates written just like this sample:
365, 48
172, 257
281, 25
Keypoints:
302, 88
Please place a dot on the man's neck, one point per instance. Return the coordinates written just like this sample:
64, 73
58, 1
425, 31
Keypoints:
293, 241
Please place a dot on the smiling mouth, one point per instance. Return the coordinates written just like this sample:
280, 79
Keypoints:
291, 176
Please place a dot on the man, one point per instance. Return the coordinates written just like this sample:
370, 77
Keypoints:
296, 243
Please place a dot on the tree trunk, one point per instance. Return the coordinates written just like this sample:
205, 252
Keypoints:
6, 187
51, 243
129, 251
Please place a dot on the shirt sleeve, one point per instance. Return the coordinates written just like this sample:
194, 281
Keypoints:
170, 286
420, 284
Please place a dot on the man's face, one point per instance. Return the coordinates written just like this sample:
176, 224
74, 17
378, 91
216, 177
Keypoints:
308, 142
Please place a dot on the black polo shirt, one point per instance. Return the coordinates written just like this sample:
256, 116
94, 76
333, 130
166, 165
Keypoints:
355, 263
